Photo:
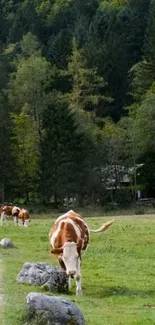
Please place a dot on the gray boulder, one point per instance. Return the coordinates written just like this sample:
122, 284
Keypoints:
6, 242
48, 310
52, 278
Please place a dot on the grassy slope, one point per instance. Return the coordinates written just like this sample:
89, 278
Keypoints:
118, 271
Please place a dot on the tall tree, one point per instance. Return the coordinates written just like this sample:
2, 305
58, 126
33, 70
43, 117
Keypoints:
30, 80
25, 152
88, 88
64, 151
149, 44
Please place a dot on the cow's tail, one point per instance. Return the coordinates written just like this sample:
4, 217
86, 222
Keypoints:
104, 227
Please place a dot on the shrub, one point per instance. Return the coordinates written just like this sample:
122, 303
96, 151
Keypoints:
123, 197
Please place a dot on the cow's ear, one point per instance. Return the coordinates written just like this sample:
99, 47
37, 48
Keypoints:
57, 250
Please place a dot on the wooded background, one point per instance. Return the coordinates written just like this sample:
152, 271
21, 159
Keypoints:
77, 100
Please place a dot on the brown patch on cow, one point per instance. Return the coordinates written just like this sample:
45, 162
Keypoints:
69, 232
7, 209
66, 233
57, 250
15, 214
62, 264
23, 215
79, 246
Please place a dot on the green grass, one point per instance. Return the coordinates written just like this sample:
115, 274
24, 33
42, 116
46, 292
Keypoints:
118, 270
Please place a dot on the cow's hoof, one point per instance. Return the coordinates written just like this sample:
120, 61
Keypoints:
79, 292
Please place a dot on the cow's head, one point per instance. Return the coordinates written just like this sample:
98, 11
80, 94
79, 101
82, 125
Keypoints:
26, 222
15, 212
69, 254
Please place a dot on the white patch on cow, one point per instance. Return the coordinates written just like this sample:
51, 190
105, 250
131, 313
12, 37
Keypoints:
67, 220
64, 215
75, 226
15, 220
69, 282
70, 258
3, 218
78, 279
54, 235
20, 222
15, 210
80, 219
26, 223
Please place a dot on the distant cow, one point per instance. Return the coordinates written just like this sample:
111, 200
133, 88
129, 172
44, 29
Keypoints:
6, 211
21, 216
69, 237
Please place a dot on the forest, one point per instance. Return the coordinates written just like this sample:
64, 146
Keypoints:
77, 101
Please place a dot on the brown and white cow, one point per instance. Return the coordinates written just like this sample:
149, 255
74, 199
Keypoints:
21, 216
8, 210
69, 237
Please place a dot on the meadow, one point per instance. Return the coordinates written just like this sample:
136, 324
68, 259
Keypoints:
118, 270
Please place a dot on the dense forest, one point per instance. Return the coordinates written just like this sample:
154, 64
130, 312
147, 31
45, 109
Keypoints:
77, 100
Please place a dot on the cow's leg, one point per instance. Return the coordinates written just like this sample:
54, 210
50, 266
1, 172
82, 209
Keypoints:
3, 218
78, 280
26, 223
20, 222
15, 219
69, 282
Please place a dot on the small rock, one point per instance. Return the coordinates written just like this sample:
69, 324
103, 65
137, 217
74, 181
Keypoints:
52, 278
6, 242
50, 310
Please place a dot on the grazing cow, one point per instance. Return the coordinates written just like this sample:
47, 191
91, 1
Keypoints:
6, 211
69, 237
21, 216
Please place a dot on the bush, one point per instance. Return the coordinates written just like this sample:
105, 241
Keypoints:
139, 210
123, 197
110, 207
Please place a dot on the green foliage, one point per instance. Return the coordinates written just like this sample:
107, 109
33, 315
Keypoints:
7, 170
149, 45
25, 151
29, 45
88, 90
31, 79
99, 55
142, 75
63, 150
139, 211
123, 197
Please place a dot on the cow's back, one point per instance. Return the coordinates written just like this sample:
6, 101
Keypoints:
7, 209
71, 227
23, 215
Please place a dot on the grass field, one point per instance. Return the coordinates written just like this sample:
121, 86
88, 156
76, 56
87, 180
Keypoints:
118, 271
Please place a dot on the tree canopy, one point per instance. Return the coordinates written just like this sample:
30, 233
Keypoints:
77, 98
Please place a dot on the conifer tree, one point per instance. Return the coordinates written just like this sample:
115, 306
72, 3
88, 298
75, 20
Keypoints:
25, 152
149, 44
64, 152
88, 88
